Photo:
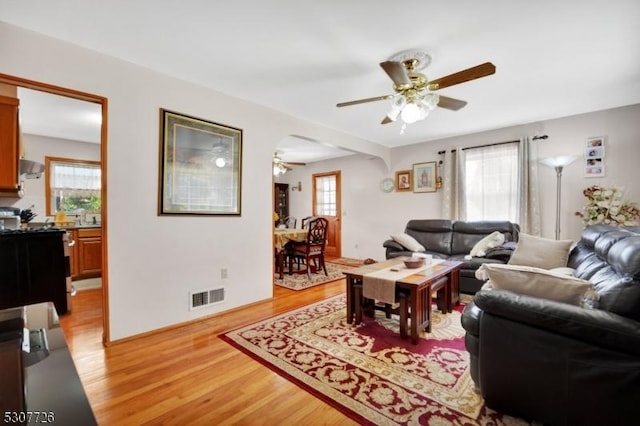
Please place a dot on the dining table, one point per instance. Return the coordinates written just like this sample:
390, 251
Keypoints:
281, 236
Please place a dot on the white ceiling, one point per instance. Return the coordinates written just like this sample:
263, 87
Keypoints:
553, 59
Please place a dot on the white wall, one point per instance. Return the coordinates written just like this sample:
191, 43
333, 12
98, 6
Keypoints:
36, 148
154, 261
371, 215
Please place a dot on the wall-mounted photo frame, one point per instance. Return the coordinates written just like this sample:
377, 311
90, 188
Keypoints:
403, 181
594, 157
424, 177
200, 169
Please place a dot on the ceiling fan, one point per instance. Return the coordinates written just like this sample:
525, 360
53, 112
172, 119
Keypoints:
415, 95
281, 167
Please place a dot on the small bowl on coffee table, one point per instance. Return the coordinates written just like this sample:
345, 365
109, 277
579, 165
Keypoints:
414, 262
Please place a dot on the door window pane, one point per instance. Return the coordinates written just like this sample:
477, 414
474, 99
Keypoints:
326, 204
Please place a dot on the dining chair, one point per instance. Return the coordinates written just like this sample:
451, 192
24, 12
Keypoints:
306, 220
312, 248
290, 222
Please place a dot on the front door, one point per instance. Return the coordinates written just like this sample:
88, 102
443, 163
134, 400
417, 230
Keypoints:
326, 204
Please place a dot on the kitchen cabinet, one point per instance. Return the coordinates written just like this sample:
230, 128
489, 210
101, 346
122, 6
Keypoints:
9, 147
86, 253
281, 199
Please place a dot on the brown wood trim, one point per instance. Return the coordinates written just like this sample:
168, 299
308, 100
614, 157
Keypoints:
77, 94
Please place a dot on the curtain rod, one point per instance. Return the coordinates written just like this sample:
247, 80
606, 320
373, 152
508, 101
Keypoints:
494, 144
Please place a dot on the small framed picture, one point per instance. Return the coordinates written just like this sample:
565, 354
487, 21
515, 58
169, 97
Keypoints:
424, 177
594, 167
403, 180
595, 152
595, 142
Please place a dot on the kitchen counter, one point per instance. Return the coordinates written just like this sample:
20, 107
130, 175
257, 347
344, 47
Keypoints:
46, 381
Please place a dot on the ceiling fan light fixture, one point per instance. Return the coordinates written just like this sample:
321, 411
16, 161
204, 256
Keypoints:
279, 169
430, 100
412, 112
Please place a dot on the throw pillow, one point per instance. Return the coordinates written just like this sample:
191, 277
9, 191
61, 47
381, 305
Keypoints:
490, 241
541, 252
408, 242
539, 283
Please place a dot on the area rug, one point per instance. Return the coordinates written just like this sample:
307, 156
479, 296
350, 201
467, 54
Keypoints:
348, 261
367, 371
300, 281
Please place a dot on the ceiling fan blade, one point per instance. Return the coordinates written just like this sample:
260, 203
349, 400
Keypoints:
386, 120
451, 103
362, 101
397, 72
291, 163
469, 74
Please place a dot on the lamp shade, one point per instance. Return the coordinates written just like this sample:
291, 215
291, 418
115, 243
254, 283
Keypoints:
560, 161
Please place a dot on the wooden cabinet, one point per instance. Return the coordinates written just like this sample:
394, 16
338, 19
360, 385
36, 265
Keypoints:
281, 199
86, 253
9, 146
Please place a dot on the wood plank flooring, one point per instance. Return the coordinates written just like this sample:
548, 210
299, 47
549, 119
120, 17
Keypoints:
187, 375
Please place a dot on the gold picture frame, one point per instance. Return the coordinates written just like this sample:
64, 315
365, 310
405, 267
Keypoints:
425, 176
404, 182
200, 169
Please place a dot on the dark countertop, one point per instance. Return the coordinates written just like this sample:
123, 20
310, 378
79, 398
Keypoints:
52, 385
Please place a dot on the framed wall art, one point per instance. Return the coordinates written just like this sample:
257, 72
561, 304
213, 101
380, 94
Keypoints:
200, 166
403, 181
424, 177
594, 157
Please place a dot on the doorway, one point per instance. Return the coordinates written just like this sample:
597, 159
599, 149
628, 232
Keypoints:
102, 102
326, 203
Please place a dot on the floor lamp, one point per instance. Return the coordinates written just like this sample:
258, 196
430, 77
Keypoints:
558, 163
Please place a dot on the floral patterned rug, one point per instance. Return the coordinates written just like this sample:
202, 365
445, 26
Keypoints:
299, 280
367, 371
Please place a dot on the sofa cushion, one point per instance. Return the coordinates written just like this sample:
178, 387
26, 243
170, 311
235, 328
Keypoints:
434, 234
468, 234
539, 282
490, 241
408, 242
541, 252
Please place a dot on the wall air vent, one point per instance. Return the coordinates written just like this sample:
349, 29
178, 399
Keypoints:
204, 298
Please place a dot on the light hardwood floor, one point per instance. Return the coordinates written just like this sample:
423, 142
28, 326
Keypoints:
187, 375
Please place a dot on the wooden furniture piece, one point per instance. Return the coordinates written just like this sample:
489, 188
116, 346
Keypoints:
9, 147
413, 292
281, 200
280, 238
312, 249
86, 254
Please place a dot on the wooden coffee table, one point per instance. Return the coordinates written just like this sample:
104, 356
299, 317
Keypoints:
414, 293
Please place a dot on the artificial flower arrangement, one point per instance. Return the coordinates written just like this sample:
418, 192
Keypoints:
606, 205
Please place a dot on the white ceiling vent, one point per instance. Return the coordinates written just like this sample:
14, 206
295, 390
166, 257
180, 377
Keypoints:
204, 298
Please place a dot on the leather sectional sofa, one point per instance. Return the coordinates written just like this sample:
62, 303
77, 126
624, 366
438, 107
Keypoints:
558, 363
453, 240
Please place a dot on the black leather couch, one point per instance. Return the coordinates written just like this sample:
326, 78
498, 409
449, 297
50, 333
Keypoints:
562, 364
453, 240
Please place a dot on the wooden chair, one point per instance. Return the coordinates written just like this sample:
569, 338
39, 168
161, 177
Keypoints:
306, 220
290, 222
312, 248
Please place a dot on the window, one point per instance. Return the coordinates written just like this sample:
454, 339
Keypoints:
72, 186
326, 195
491, 182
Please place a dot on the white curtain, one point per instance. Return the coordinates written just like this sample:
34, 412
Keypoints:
528, 200
491, 182
453, 205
